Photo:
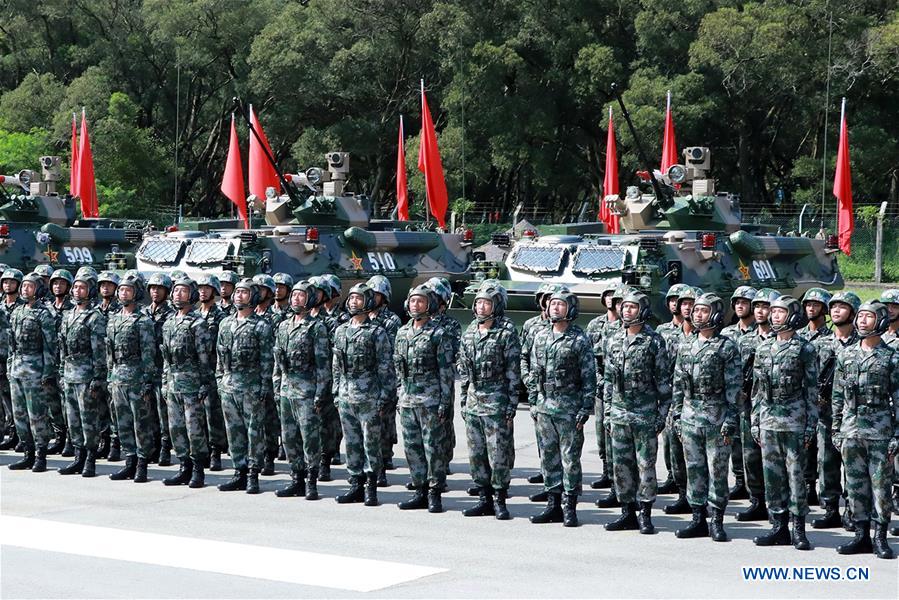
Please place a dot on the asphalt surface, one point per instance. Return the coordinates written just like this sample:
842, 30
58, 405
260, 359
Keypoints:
232, 545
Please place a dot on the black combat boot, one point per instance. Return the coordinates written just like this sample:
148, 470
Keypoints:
609, 501
103, 447
68, 450
115, 449
238, 481
846, 519
90, 463
698, 527
861, 544
215, 460
541, 496
628, 519
185, 471
435, 503
738, 492
669, 486
553, 511
296, 487
40, 460
418, 501
371, 489
382, 478
894, 530
474, 491
779, 534
569, 510
253, 481
538, 478
716, 527
604, 482
679, 507
59, 443
336, 460
312, 484
198, 477
26, 463
355, 494
126, 472
76, 466
282, 454
800, 541
499, 506
757, 511
831, 516
140, 472
410, 485
881, 546
484, 507
165, 454
644, 519
812, 493
268, 464
324, 470
11, 438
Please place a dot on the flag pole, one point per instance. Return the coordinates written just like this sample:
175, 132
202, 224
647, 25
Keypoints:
421, 141
826, 113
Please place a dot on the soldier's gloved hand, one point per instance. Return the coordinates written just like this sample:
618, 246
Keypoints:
533, 410
510, 412
893, 448
660, 424
442, 412
837, 442
808, 437
676, 425
581, 418
203, 393
756, 434
728, 430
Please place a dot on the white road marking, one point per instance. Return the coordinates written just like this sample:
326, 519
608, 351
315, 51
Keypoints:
243, 560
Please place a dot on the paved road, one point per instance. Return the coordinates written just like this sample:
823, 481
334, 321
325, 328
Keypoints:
70, 537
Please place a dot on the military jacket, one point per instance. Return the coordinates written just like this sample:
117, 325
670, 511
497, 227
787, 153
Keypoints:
489, 369
130, 348
110, 309
735, 332
866, 393
387, 319
563, 371
891, 339
303, 358
82, 346
637, 387
32, 348
528, 332
245, 353
187, 349
811, 336
159, 314
422, 357
707, 381
362, 364
4, 343
785, 386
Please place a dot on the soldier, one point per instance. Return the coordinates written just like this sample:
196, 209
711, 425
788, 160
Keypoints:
638, 391
890, 298
383, 316
45, 271
563, 374
422, 357
82, 366
187, 348
441, 287
228, 279
107, 283
843, 307
489, 363
5, 404
31, 367
752, 452
271, 423
741, 303
283, 286
784, 420
333, 314
59, 304
363, 382
866, 427
10, 281
244, 370
209, 287
594, 331
131, 368
303, 363
705, 393
159, 285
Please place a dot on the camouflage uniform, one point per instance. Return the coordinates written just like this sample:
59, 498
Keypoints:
528, 332
363, 382
159, 314
56, 401
675, 460
752, 452
594, 331
215, 416
271, 424
5, 406
637, 394
784, 414
331, 431
131, 367
244, 366
489, 369
734, 333
391, 323
454, 329
9, 424
82, 355
422, 359
31, 363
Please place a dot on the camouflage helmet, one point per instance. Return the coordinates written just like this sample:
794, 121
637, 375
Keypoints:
426, 292
743, 292
890, 296
38, 281
444, 292
191, 285
229, 277
644, 312
210, 280
108, 276
177, 274
161, 279
89, 272
265, 281
283, 279
795, 315
319, 284
495, 295
380, 285
766, 295
716, 310
496, 284
248, 284
135, 273
12, 274
368, 298
63, 274
676, 290
3, 267
44, 270
89, 277
849, 298
334, 284
133, 279
608, 287
307, 288
816, 294
882, 318
571, 300
622, 290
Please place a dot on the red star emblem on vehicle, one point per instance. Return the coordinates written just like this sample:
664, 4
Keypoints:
357, 261
50, 254
744, 270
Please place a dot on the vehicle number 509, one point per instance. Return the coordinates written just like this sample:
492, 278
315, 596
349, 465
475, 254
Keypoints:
763, 269
74, 254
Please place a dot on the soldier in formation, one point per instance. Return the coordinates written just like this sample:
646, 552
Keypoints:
209, 288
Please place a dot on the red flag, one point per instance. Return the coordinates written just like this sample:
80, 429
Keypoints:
73, 167
429, 164
87, 187
262, 172
669, 146
842, 188
610, 182
232, 180
402, 194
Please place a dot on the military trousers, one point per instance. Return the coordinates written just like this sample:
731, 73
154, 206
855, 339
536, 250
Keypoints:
243, 411
388, 430
610, 451
869, 475
736, 457
187, 425
161, 419
361, 424
331, 431
83, 410
599, 427
271, 426
490, 445
706, 457
783, 462
636, 448
423, 442
301, 432
752, 459
135, 421
6, 403
30, 413
829, 463
449, 434
106, 406
676, 460
560, 454
57, 405
215, 420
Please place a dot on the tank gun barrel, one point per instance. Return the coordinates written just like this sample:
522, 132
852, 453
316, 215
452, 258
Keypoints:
11, 181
